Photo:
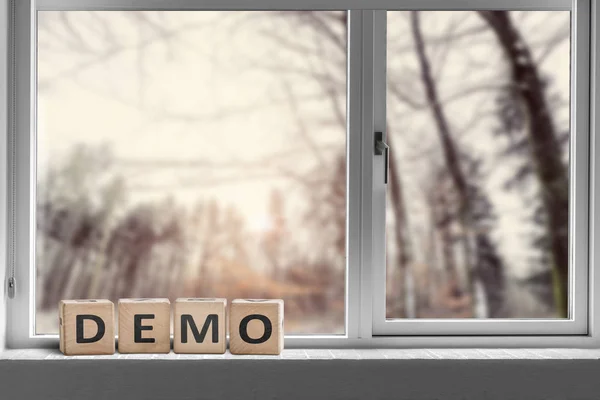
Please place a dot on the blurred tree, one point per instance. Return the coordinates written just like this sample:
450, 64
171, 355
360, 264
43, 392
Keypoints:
442, 219
476, 242
79, 201
274, 237
543, 144
404, 258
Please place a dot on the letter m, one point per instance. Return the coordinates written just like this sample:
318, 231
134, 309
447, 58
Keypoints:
199, 336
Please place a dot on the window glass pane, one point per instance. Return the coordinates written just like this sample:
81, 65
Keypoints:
198, 154
478, 197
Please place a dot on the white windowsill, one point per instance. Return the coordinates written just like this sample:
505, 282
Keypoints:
333, 354
373, 374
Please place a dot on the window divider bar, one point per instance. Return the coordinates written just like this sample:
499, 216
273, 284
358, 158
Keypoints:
115, 5
379, 77
367, 172
353, 179
594, 217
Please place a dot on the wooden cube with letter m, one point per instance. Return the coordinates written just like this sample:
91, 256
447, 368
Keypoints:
86, 327
200, 326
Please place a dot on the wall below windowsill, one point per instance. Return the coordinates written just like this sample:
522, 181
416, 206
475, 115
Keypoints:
306, 374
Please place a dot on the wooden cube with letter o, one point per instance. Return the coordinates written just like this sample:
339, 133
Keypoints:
256, 327
86, 327
144, 326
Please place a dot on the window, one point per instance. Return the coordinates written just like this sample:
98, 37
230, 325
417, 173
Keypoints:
387, 172
474, 182
478, 224
195, 153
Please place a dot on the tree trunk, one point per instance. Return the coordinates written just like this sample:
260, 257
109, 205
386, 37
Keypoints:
544, 147
404, 247
449, 149
475, 260
442, 220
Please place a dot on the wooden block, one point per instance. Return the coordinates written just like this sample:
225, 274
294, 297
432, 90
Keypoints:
200, 326
144, 326
256, 327
86, 327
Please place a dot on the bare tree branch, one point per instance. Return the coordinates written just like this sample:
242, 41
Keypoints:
302, 128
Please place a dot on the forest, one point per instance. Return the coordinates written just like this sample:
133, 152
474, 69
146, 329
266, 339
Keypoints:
203, 154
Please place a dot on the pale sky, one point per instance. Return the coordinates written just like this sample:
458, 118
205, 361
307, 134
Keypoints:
242, 113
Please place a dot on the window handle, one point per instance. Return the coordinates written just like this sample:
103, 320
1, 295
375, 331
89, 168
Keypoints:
382, 148
12, 287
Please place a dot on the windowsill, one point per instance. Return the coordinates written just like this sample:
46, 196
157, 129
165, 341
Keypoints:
333, 354
402, 374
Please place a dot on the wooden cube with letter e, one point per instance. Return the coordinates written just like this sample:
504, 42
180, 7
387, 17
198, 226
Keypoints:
144, 326
256, 327
86, 327
199, 326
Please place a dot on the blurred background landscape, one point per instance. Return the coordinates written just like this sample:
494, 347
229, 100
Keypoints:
203, 154
478, 205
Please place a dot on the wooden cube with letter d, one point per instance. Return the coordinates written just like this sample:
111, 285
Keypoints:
256, 326
86, 327
144, 326
199, 326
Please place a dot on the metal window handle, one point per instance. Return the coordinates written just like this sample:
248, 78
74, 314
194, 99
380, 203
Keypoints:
382, 148
12, 287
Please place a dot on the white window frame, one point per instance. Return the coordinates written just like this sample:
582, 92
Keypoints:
365, 278
578, 204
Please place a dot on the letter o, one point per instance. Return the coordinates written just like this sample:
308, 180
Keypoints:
244, 328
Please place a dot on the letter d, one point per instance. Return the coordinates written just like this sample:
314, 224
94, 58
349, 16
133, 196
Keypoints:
79, 328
